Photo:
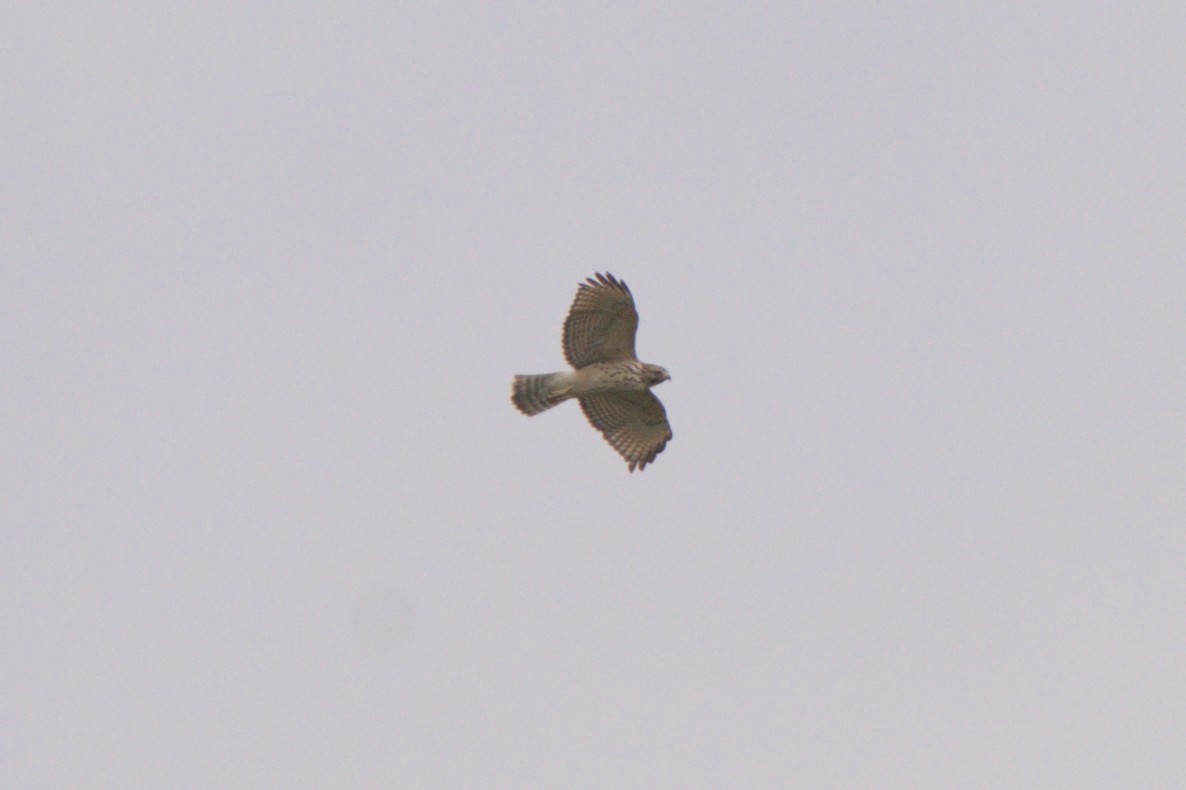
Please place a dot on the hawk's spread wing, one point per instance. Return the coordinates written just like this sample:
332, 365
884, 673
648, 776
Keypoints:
634, 423
601, 323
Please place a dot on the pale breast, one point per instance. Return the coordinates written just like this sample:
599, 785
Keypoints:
608, 377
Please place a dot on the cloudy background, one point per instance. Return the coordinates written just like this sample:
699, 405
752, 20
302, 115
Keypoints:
269, 519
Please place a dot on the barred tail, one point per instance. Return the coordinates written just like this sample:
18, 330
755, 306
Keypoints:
533, 394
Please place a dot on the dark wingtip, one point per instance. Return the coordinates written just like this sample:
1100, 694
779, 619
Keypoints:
655, 454
606, 280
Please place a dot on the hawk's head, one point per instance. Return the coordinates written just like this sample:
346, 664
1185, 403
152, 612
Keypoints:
653, 374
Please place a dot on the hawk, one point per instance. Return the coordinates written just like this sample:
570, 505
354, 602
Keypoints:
614, 388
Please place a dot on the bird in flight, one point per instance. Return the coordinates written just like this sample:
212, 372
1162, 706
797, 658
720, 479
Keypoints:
613, 387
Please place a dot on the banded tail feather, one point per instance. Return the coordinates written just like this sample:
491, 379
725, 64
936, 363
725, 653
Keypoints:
533, 394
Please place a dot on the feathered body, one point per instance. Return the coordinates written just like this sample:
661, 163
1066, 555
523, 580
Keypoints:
612, 385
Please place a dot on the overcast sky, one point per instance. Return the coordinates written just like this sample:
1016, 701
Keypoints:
270, 519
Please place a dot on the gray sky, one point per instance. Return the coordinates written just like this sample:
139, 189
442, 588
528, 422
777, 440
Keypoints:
270, 520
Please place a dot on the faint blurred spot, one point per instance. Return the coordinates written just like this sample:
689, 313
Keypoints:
384, 620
